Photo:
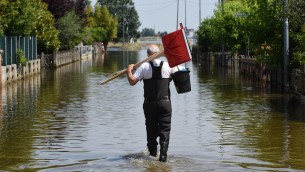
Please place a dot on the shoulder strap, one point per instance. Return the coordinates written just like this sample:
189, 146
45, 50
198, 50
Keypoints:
161, 64
151, 63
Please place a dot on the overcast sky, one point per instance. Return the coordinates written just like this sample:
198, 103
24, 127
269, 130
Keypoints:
161, 15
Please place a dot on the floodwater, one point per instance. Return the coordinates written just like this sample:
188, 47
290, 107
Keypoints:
63, 120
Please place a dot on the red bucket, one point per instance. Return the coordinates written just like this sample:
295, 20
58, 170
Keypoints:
176, 48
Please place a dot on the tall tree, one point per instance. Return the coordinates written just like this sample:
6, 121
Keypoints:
3, 5
47, 34
20, 18
230, 23
30, 18
80, 6
87, 36
70, 31
105, 28
261, 21
207, 37
296, 13
147, 32
89, 16
80, 10
59, 8
127, 16
297, 32
266, 30
83, 12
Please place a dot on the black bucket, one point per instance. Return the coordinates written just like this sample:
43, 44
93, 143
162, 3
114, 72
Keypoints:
182, 81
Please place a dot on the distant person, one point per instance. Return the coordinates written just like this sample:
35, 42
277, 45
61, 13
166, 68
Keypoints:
102, 48
156, 76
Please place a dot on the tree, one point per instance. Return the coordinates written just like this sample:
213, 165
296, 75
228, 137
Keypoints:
228, 25
89, 16
235, 19
161, 34
70, 31
59, 8
147, 32
297, 32
261, 21
125, 11
29, 18
47, 34
80, 6
78, 13
266, 30
207, 38
19, 18
3, 4
84, 12
88, 24
105, 28
296, 7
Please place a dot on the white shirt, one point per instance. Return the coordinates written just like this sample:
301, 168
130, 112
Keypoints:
145, 70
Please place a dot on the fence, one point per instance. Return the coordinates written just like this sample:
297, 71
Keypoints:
10, 45
259, 71
61, 58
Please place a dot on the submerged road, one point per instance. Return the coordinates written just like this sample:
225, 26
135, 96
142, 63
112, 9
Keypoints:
63, 120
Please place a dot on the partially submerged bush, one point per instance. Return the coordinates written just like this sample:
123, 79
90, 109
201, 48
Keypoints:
21, 59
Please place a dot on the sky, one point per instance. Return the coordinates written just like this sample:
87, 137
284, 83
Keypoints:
161, 15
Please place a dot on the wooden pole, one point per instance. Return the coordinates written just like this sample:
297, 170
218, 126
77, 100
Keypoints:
122, 72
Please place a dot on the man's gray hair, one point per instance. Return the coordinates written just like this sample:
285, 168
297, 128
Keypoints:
152, 50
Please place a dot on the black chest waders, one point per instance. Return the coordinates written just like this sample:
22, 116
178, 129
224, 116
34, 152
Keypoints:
158, 112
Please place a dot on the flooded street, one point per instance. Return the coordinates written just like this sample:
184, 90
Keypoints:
63, 120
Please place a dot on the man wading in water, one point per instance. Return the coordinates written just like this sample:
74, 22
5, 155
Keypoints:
156, 76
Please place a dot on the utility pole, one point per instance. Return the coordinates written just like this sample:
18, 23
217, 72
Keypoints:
222, 39
123, 31
197, 46
286, 46
199, 12
154, 29
185, 14
177, 14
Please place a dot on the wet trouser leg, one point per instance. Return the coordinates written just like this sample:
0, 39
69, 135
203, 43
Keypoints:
158, 123
165, 112
151, 122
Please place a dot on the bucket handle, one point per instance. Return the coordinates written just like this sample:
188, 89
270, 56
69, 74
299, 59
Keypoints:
181, 27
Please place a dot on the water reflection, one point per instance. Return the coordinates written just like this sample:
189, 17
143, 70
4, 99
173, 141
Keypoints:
259, 120
19, 102
63, 120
